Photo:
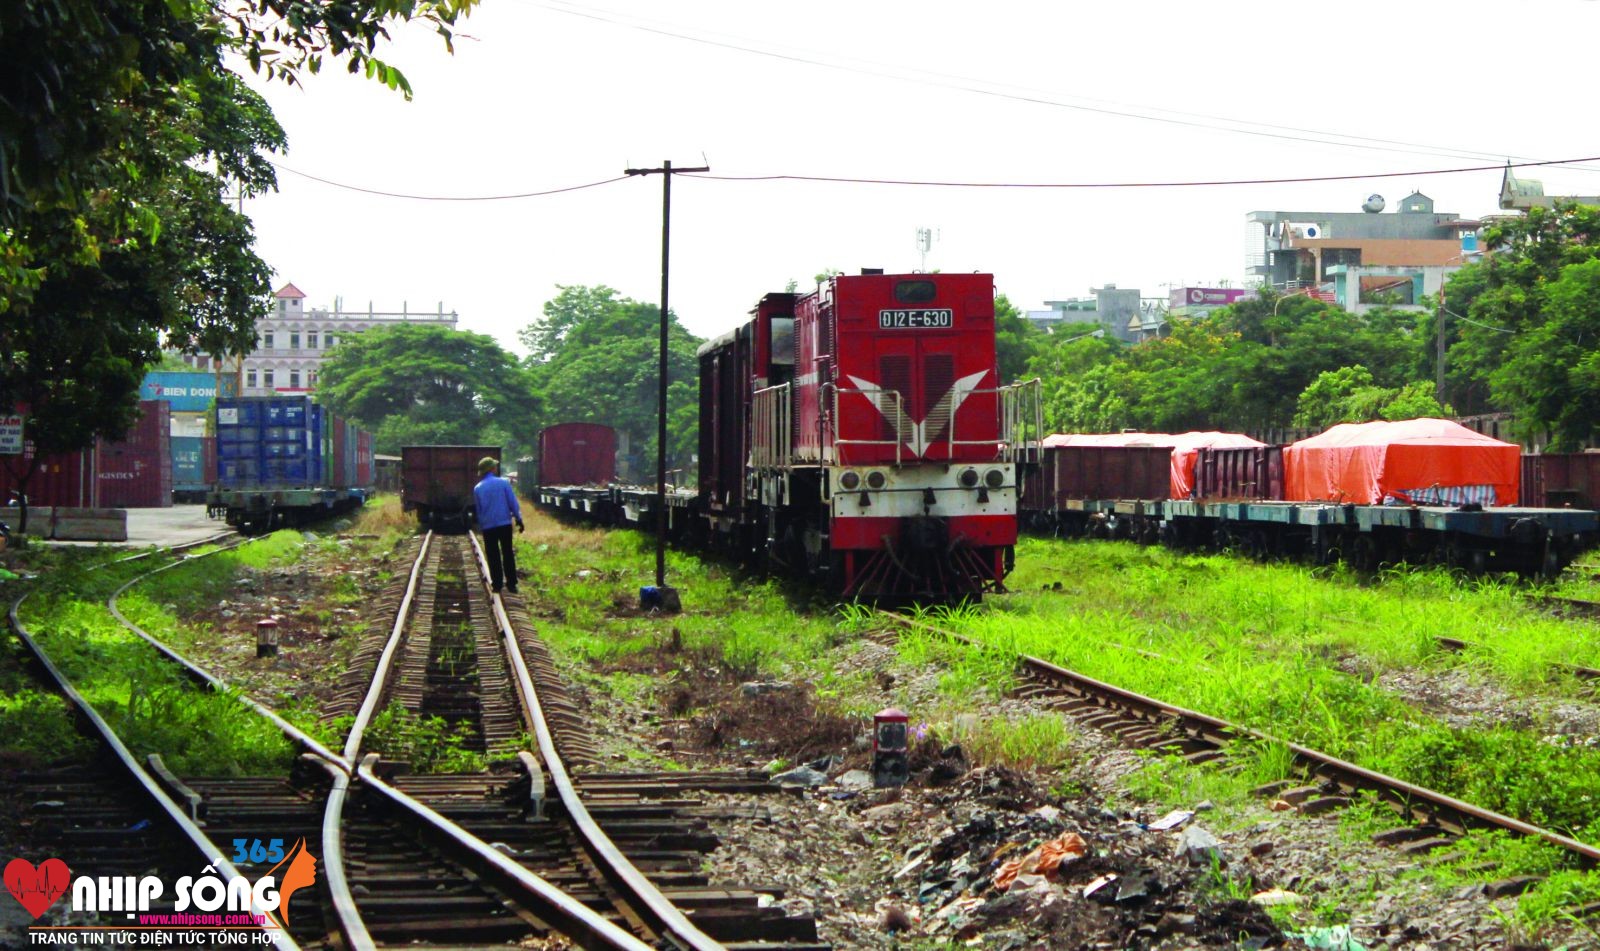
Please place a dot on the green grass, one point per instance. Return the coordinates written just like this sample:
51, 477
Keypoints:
429, 743
1390, 623
142, 697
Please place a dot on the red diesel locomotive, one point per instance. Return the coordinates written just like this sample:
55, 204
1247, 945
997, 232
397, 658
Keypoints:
860, 433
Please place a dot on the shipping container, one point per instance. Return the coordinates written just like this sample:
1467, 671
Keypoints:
188, 424
269, 442
577, 454
66, 479
366, 474
134, 479
194, 462
187, 391
1239, 474
136, 471
345, 442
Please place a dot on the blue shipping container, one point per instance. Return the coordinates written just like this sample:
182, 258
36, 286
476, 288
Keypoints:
187, 392
188, 467
270, 442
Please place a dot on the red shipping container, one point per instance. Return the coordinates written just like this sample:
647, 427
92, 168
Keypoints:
365, 477
134, 479
208, 459
577, 454
62, 479
1561, 480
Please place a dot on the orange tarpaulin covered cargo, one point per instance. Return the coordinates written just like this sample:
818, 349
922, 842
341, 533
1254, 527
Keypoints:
1185, 448
1414, 461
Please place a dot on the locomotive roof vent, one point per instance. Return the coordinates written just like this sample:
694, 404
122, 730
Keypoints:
871, 270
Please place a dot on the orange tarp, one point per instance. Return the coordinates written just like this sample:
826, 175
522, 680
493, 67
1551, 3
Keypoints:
1366, 462
1185, 448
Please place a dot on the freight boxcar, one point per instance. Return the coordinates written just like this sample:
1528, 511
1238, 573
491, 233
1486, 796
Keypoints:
436, 483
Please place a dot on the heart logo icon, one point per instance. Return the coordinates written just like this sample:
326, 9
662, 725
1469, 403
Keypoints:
37, 888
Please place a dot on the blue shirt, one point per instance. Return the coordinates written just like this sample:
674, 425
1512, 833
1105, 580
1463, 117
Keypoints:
497, 502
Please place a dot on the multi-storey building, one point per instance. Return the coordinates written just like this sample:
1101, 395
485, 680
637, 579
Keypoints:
1360, 257
292, 342
1120, 311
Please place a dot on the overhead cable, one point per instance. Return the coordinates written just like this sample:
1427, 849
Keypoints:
388, 194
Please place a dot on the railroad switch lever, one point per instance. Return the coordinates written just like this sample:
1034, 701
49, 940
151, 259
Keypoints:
267, 637
890, 753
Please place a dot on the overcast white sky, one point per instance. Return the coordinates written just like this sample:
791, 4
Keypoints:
544, 94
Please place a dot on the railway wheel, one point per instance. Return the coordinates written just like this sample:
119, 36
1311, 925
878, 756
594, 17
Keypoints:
1364, 553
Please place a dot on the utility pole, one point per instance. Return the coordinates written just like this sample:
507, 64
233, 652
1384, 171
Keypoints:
1438, 344
669, 600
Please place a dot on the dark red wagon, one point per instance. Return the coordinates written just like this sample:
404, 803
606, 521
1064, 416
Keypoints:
436, 483
577, 454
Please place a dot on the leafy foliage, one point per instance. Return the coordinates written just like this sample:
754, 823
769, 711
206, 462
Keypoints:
1533, 309
595, 359
1349, 395
422, 383
120, 130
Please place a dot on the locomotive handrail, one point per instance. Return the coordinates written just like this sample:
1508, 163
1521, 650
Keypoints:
767, 449
898, 420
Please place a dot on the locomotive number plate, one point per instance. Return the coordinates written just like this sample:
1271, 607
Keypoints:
915, 319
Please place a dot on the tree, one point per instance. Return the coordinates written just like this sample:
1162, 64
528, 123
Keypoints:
595, 360
1349, 395
422, 383
119, 129
1016, 340
1530, 334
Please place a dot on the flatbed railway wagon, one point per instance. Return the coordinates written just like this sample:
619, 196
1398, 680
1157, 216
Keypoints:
436, 482
284, 460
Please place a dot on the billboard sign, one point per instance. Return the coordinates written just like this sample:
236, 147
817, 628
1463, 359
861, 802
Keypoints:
1206, 296
10, 435
187, 392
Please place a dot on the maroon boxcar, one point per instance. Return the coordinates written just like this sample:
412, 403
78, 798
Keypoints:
577, 454
855, 432
1105, 472
1239, 474
436, 482
1561, 480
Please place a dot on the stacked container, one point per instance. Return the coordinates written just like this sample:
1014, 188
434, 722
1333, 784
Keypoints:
366, 477
137, 471
271, 442
65, 479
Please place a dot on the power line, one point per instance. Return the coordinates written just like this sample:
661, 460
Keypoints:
1171, 184
388, 194
1036, 97
1476, 323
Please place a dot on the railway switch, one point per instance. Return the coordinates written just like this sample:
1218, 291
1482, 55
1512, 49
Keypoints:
267, 637
890, 755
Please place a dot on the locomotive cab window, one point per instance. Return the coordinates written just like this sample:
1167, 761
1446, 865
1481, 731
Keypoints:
783, 341
915, 292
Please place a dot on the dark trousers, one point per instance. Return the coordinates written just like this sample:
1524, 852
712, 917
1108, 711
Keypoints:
502, 559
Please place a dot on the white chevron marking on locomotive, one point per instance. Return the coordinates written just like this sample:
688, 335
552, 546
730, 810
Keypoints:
921, 439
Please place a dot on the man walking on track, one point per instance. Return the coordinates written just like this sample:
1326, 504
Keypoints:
497, 509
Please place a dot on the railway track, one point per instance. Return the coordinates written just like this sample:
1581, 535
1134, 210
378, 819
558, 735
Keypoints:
477, 859
1437, 820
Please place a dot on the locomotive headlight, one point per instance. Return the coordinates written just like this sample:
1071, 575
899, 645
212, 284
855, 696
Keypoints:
876, 479
850, 480
994, 478
969, 478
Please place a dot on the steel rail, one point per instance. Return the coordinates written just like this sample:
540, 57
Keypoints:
209, 851
380, 675
654, 908
1346, 774
550, 904
352, 929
